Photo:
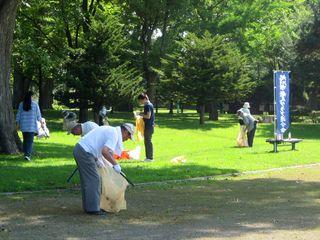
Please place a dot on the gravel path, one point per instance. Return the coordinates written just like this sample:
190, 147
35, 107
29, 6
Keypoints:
272, 205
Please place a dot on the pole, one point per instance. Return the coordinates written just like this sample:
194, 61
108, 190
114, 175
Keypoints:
72, 174
128, 180
274, 105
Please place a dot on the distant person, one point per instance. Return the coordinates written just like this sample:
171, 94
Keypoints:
246, 108
103, 116
83, 128
251, 124
69, 120
27, 117
103, 141
148, 117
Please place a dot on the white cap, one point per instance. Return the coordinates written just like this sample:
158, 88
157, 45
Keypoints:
130, 128
246, 105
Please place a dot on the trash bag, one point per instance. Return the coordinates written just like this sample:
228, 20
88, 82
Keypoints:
113, 187
140, 128
242, 140
43, 132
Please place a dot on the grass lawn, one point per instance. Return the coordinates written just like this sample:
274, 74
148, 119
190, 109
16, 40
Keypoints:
209, 150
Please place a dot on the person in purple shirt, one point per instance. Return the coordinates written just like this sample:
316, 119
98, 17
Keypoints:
27, 116
148, 117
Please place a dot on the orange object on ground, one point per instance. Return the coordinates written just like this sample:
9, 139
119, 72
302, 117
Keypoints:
124, 155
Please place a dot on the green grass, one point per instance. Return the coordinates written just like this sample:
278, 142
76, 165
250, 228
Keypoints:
209, 150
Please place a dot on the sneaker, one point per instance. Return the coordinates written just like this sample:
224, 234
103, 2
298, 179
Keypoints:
27, 158
148, 160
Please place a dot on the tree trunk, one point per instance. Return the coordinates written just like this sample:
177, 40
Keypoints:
45, 92
83, 111
202, 113
213, 112
96, 109
151, 79
171, 108
157, 104
313, 100
10, 141
21, 85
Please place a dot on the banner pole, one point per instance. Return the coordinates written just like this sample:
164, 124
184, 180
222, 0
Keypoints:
274, 105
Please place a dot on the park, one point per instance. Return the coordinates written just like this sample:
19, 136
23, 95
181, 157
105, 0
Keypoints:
218, 101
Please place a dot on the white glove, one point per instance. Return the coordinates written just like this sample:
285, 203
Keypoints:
117, 168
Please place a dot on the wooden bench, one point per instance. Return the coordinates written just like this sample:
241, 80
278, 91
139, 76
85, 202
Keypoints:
275, 143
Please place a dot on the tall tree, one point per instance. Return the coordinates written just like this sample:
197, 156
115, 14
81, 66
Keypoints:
96, 70
306, 65
148, 22
210, 69
10, 141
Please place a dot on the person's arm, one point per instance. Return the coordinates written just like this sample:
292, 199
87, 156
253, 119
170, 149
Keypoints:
147, 112
38, 113
107, 154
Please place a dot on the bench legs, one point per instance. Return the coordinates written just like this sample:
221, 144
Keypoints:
293, 146
275, 147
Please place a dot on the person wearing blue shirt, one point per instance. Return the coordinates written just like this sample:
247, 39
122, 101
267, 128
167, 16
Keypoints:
27, 117
148, 117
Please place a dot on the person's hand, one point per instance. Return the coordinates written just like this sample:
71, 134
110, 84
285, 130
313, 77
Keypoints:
117, 168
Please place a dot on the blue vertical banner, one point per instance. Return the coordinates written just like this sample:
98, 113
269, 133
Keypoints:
282, 98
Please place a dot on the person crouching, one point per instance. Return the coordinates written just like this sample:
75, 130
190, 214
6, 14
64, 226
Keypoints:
101, 141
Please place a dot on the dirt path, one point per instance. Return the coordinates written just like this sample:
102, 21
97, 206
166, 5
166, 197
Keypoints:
276, 205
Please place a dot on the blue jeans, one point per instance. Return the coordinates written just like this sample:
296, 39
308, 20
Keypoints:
27, 143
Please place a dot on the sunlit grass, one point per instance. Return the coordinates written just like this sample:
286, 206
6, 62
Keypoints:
208, 149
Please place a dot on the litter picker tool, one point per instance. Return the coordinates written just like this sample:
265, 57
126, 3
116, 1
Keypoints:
128, 180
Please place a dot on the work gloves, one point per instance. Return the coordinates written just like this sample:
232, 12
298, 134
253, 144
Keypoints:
117, 168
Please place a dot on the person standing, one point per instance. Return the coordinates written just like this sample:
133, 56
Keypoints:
27, 116
102, 141
251, 125
148, 117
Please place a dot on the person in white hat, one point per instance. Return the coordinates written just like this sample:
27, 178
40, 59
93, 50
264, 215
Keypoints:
102, 141
246, 108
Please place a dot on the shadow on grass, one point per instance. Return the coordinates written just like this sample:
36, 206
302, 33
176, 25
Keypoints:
33, 177
219, 210
190, 121
303, 131
53, 150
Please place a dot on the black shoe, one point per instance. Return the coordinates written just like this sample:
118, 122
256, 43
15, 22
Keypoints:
97, 213
27, 158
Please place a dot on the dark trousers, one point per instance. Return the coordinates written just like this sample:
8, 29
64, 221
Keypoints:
250, 135
27, 143
89, 178
148, 143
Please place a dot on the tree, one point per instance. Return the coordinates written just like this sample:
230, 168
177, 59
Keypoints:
36, 53
10, 141
96, 72
306, 69
148, 22
210, 69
